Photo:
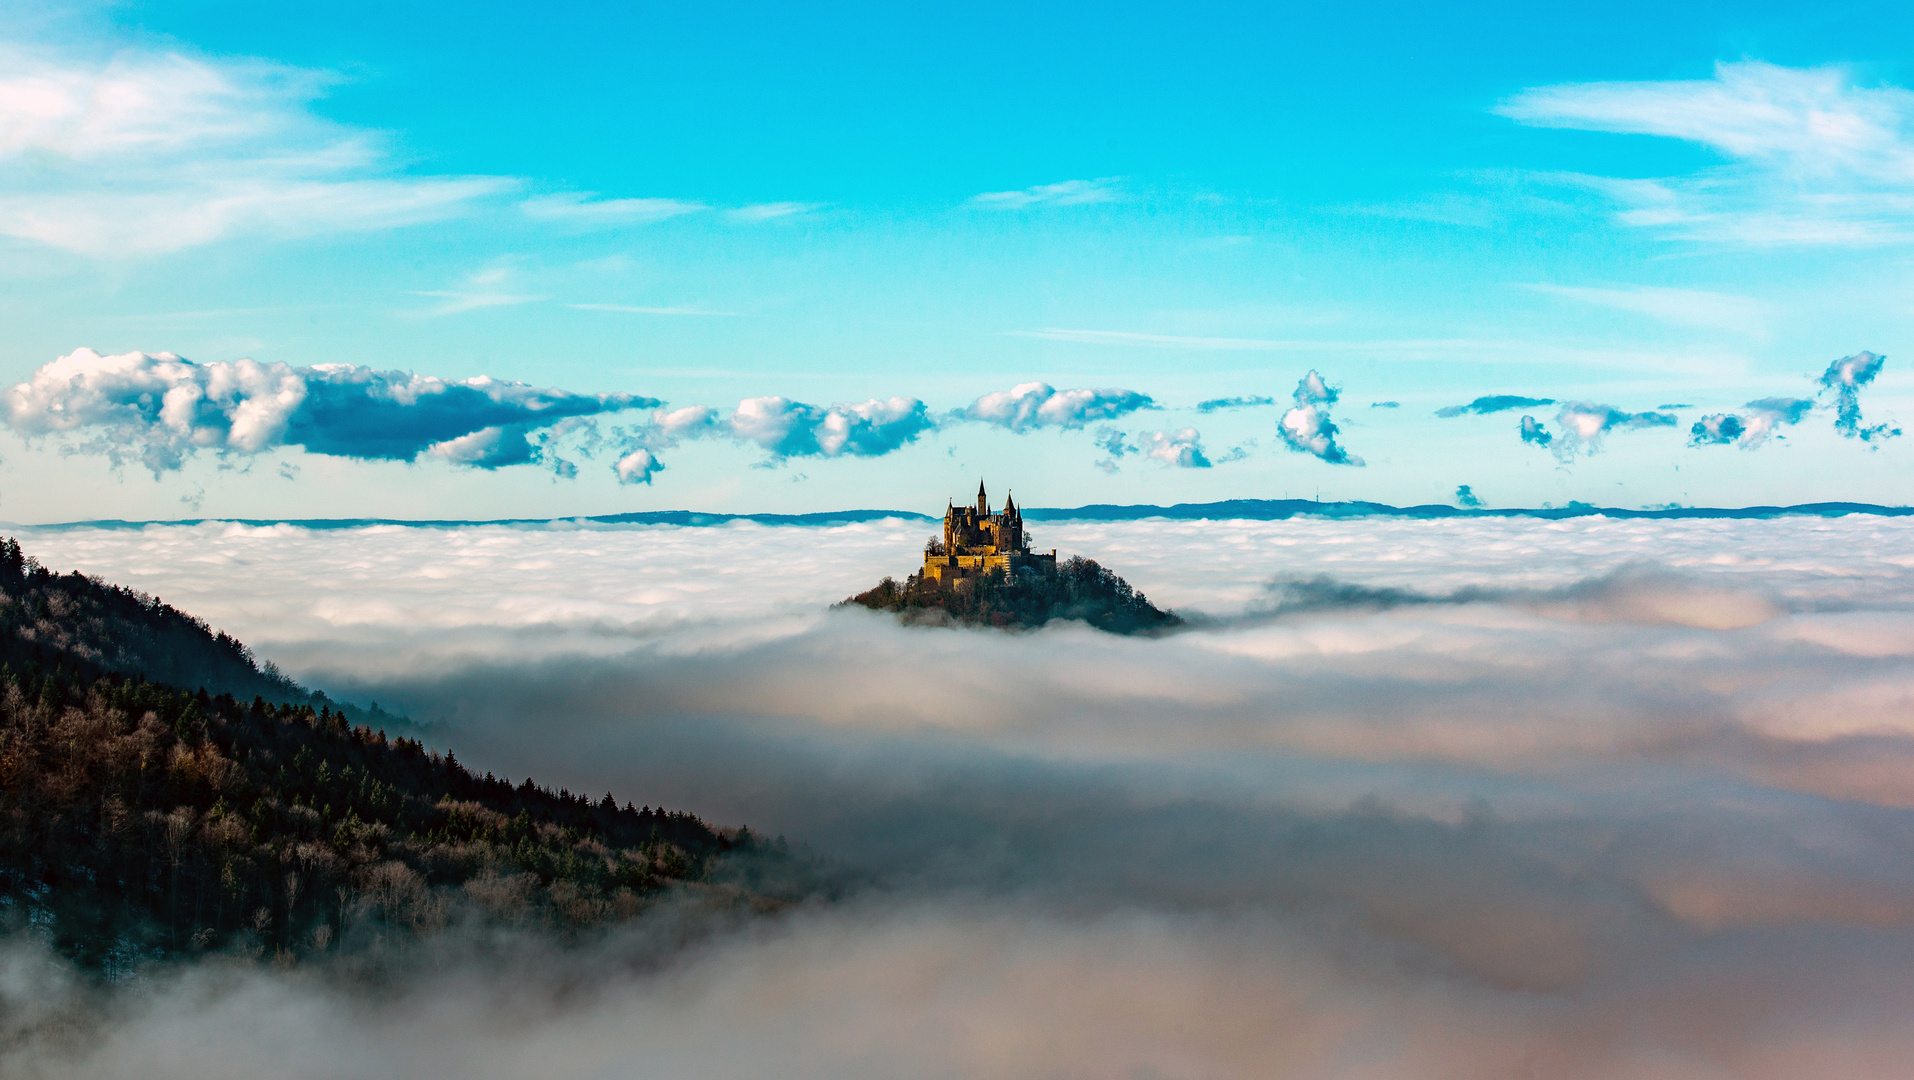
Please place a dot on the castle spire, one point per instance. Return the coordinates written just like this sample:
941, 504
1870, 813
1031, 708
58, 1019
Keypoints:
983, 502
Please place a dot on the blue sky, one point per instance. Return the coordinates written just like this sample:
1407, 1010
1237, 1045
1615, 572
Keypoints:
765, 258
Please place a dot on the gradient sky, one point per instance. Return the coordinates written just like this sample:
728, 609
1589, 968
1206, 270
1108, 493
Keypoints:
1659, 224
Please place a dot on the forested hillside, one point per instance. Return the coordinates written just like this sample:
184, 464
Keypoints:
142, 818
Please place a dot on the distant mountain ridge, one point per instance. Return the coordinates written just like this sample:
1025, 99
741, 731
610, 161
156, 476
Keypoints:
1280, 509
1227, 509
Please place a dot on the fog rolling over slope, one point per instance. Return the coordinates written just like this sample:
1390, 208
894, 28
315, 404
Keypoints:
1407, 798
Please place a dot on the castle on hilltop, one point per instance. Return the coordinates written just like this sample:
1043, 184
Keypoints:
977, 541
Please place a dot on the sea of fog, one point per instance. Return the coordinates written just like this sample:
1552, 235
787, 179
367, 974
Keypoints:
1407, 798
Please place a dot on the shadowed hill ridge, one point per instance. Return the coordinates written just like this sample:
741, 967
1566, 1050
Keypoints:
89, 628
1078, 588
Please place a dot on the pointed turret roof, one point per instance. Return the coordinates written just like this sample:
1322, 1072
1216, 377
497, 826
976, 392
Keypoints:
1010, 504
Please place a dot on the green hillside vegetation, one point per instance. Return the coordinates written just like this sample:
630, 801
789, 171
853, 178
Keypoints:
1079, 589
141, 820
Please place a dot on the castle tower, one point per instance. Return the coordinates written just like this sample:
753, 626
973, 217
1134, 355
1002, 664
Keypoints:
977, 542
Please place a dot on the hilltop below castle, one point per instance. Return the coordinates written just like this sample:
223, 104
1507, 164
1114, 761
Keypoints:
977, 541
981, 572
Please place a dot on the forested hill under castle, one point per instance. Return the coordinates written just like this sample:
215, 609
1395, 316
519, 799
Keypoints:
983, 572
163, 795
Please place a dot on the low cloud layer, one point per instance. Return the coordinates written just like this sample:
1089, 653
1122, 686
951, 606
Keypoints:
1449, 798
160, 409
1307, 429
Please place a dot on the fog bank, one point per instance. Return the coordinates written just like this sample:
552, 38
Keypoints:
1410, 798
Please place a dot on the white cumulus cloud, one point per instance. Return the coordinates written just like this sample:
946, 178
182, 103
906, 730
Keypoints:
786, 428
1180, 449
1758, 422
1845, 377
1307, 428
637, 467
1585, 425
1032, 405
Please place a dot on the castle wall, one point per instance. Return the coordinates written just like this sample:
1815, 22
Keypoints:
952, 567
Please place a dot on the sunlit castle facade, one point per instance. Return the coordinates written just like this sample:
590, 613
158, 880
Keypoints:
977, 541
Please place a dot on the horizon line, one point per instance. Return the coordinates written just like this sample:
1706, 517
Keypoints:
1221, 510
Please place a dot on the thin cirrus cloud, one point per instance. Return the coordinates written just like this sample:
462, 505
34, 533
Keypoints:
154, 152
458, 303
1063, 193
1682, 307
483, 289
1514, 352
758, 213
161, 409
1153, 341
1813, 158
637, 309
585, 208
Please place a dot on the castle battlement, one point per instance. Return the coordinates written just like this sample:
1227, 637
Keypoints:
977, 541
